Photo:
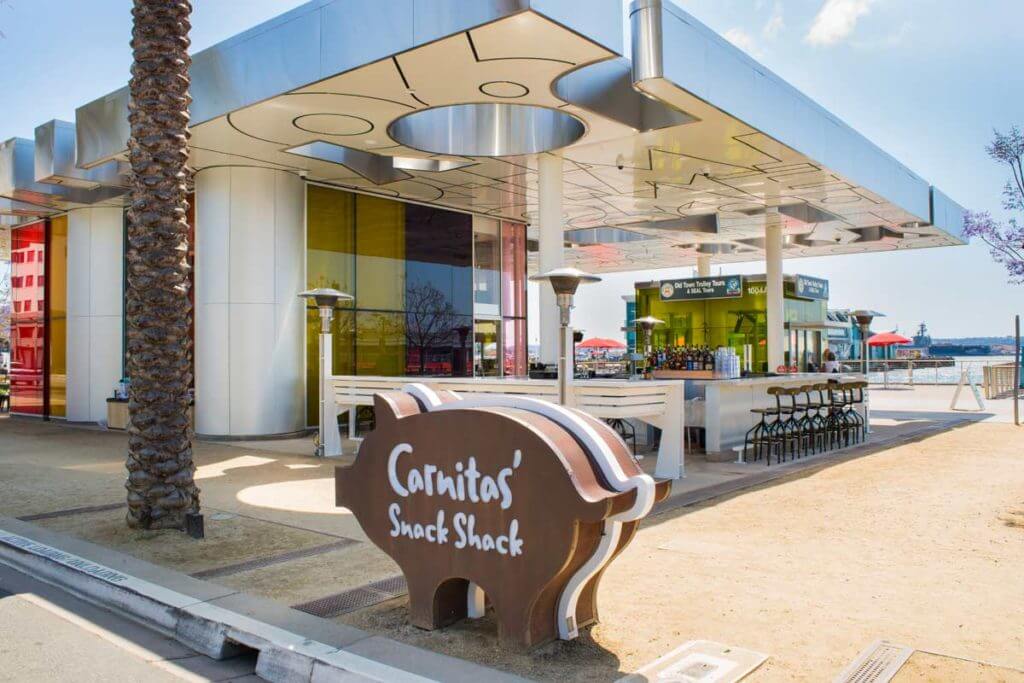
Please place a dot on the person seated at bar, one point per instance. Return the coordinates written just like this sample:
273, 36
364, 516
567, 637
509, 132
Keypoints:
831, 363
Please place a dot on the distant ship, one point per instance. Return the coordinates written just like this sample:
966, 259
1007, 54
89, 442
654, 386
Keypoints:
960, 350
923, 340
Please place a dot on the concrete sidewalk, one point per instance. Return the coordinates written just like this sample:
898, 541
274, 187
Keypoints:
222, 623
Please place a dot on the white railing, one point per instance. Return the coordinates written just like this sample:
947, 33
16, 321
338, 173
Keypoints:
1000, 380
657, 403
924, 371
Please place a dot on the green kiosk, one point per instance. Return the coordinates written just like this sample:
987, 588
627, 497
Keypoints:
731, 310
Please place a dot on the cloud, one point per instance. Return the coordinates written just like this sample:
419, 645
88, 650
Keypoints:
743, 41
836, 20
775, 23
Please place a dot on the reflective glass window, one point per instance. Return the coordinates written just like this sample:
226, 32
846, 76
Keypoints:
380, 253
515, 348
439, 260
57, 293
28, 352
486, 349
380, 343
486, 267
513, 270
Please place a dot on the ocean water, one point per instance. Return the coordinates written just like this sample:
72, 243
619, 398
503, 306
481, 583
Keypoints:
925, 373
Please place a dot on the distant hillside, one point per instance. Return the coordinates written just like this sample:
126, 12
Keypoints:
970, 341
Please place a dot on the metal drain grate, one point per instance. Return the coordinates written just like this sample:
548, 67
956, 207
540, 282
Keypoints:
356, 598
262, 562
72, 511
878, 663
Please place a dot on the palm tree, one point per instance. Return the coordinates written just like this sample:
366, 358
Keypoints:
161, 487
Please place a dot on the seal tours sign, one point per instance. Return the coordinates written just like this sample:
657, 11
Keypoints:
504, 501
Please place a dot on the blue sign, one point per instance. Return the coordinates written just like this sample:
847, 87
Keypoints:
811, 288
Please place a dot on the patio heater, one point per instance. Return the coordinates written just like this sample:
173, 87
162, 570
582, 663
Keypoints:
564, 281
326, 300
864, 319
647, 324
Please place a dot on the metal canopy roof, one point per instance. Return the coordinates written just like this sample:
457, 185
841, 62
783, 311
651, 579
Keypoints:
686, 146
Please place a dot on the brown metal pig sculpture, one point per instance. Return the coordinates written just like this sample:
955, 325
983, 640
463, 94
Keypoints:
504, 500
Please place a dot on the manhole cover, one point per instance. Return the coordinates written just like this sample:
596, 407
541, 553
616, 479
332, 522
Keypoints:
877, 663
699, 661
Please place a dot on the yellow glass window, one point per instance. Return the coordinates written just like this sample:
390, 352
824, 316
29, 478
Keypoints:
57, 293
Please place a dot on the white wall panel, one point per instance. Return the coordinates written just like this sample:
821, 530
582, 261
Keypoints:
212, 355
213, 212
252, 227
249, 354
106, 290
106, 337
78, 383
95, 309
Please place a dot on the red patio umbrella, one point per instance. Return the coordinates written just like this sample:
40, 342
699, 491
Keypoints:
888, 339
599, 343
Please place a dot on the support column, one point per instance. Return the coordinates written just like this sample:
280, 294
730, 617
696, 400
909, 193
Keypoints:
703, 266
95, 296
249, 321
552, 247
773, 258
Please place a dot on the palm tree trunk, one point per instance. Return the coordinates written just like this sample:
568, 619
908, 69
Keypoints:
161, 488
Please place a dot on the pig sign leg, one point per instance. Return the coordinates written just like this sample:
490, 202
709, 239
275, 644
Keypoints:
476, 602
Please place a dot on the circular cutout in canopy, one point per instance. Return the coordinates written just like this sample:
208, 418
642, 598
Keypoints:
333, 124
487, 130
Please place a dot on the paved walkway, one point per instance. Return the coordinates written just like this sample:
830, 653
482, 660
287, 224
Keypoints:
47, 634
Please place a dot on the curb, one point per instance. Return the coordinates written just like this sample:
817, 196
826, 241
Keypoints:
220, 622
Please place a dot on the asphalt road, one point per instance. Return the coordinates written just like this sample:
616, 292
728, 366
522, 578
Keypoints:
48, 635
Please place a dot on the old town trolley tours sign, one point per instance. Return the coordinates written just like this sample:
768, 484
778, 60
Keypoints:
501, 500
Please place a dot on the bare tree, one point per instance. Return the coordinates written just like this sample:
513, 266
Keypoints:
161, 486
430, 320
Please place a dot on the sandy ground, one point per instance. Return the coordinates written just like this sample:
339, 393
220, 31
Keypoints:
921, 545
923, 666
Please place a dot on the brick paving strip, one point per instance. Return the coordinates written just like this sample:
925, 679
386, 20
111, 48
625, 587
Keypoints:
355, 599
269, 561
72, 511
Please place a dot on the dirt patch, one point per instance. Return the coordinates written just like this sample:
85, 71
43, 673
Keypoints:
228, 541
315, 577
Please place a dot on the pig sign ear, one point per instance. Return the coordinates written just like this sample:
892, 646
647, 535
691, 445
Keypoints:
391, 406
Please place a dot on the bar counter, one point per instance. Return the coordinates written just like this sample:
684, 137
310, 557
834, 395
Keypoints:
728, 402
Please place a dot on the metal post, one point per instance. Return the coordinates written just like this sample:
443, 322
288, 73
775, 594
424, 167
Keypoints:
564, 282
1016, 373
329, 438
563, 362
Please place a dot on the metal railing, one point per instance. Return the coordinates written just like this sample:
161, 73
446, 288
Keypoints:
937, 371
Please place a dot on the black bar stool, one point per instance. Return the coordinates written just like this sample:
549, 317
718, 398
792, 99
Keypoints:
766, 435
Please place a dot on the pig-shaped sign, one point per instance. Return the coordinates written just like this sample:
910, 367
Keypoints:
505, 500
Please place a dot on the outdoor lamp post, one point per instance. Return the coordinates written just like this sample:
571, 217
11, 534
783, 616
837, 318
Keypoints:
326, 300
564, 281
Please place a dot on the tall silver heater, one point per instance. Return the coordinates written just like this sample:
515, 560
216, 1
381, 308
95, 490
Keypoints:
864, 319
326, 300
565, 282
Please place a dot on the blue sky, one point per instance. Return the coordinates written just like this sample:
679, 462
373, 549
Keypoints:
927, 80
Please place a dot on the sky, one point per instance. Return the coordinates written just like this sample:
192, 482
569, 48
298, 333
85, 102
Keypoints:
926, 80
